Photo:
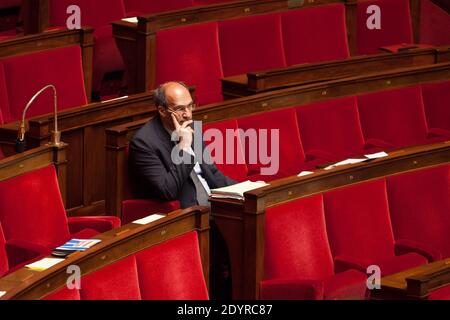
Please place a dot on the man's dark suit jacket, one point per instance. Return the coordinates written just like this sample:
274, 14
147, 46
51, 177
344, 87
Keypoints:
153, 173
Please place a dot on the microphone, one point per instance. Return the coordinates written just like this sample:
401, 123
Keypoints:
20, 143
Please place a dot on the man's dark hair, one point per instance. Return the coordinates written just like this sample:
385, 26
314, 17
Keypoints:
159, 94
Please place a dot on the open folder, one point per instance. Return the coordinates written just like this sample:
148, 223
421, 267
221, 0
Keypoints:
237, 191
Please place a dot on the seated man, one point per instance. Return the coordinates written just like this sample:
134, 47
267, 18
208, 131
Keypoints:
154, 172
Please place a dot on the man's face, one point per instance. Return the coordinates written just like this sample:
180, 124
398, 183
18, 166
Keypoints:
180, 104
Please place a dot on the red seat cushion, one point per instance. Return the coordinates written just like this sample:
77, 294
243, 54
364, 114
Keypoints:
296, 241
281, 124
419, 203
332, 127
399, 263
28, 214
228, 157
251, 44
440, 294
27, 74
358, 222
134, 209
396, 25
394, 116
196, 62
436, 98
172, 270
64, 294
348, 285
156, 6
308, 39
118, 281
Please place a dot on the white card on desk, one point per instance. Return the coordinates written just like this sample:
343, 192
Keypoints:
149, 219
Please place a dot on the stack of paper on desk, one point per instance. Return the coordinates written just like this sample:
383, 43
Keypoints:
237, 191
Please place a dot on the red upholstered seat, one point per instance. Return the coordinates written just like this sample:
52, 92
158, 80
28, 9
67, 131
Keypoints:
359, 229
4, 267
307, 38
419, 203
396, 117
251, 44
133, 209
170, 270
234, 167
155, 6
331, 130
97, 14
27, 74
434, 24
436, 98
396, 25
4, 104
191, 54
298, 261
31, 210
288, 147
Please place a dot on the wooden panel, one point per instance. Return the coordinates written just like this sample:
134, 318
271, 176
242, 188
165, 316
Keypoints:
75, 150
35, 15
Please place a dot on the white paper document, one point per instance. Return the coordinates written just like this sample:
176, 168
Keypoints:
131, 20
149, 219
2, 293
304, 173
44, 264
237, 191
377, 155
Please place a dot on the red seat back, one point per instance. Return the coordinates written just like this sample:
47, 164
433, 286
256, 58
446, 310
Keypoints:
170, 270
156, 6
331, 126
27, 74
93, 13
234, 167
251, 44
191, 54
358, 222
434, 24
4, 104
31, 208
436, 98
394, 116
296, 241
308, 39
420, 206
3, 256
289, 146
396, 25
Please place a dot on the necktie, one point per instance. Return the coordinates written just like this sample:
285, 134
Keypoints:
202, 195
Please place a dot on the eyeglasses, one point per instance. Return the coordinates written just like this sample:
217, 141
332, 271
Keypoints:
178, 109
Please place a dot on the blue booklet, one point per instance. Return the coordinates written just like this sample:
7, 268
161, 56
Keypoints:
78, 244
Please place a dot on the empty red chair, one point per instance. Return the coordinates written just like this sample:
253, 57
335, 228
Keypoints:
434, 24
330, 130
251, 44
360, 232
285, 151
394, 118
141, 7
315, 34
27, 74
436, 98
191, 54
98, 14
31, 210
227, 153
171, 270
297, 258
419, 203
395, 27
